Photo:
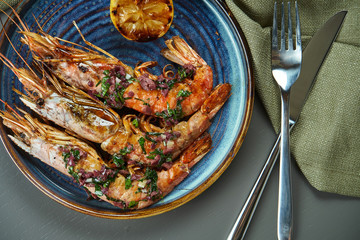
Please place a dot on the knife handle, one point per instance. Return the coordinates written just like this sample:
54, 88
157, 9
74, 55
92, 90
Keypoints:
243, 220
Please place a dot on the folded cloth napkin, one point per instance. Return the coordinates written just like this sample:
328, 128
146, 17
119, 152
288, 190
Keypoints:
325, 142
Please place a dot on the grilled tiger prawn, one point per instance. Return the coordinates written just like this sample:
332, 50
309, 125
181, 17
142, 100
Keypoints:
65, 106
132, 188
103, 76
183, 92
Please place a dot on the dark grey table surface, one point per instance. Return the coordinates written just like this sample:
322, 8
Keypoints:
26, 213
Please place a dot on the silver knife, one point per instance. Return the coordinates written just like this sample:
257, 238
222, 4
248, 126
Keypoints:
313, 57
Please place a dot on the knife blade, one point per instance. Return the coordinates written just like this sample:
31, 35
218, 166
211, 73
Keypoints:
313, 57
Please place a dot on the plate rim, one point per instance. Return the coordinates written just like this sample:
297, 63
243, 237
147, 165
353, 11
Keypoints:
148, 212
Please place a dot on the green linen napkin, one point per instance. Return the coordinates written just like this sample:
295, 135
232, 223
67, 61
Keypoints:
326, 140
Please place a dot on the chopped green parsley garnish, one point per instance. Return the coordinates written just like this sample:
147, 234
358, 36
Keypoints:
183, 93
163, 158
135, 123
176, 113
151, 174
142, 144
118, 158
98, 191
133, 204
128, 184
144, 103
183, 73
118, 161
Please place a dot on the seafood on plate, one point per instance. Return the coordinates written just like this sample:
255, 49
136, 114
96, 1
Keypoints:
135, 138
152, 149
103, 76
129, 188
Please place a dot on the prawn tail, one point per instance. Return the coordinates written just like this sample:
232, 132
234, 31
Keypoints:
196, 151
216, 100
180, 52
168, 179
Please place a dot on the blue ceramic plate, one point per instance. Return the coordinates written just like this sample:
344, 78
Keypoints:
206, 25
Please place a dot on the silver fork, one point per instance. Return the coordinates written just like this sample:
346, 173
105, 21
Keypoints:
286, 64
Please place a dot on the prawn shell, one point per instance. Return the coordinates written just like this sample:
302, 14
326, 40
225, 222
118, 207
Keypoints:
92, 123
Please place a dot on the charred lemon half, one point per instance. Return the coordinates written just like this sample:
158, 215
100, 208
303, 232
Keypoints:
142, 20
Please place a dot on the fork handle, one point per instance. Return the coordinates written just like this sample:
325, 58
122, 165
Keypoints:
284, 223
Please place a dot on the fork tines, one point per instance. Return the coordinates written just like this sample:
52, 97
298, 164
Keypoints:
289, 24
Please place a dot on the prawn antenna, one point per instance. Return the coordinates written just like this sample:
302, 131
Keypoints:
25, 28
11, 109
92, 45
12, 65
